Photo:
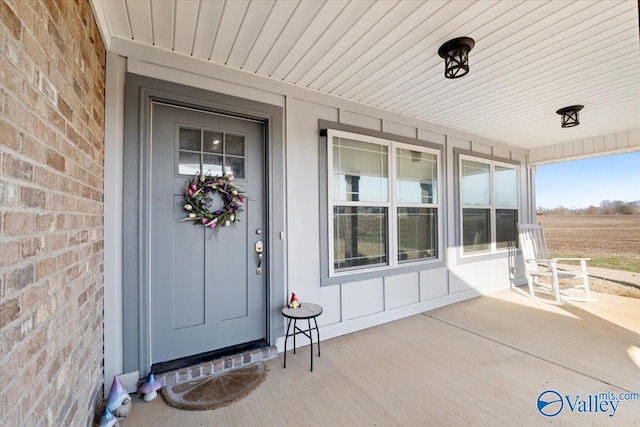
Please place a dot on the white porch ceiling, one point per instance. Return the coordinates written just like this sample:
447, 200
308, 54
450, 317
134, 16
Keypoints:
530, 59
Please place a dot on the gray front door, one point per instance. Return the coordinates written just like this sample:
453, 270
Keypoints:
205, 290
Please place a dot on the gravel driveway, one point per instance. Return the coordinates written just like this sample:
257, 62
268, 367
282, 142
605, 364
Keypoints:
616, 282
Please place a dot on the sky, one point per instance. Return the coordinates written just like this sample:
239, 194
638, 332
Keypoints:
582, 183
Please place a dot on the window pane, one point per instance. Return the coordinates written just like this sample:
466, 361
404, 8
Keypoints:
417, 176
188, 163
212, 164
417, 233
506, 220
359, 236
360, 171
506, 186
189, 139
476, 229
212, 142
235, 166
234, 145
476, 183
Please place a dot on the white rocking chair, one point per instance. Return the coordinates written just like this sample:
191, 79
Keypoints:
539, 265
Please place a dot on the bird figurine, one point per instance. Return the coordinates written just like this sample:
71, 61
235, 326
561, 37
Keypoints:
294, 303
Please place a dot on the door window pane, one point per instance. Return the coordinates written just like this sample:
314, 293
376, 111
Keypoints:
417, 233
189, 139
212, 164
188, 163
234, 145
360, 171
476, 183
359, 236
506, 186
212, 142
476, 229
219, 152
506, 220
416, 178
235, 166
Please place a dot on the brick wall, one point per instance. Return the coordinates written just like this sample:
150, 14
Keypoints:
51, 203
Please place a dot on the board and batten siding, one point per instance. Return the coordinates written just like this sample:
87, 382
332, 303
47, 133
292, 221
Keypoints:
353, 304
356, 304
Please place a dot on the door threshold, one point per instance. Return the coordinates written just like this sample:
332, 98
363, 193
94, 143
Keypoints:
214, 362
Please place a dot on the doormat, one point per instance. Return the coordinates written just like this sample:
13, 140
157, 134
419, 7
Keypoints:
217, 390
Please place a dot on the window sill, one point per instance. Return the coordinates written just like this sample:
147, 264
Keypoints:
485, 256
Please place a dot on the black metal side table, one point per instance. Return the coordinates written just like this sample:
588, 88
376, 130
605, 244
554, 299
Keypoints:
306, 311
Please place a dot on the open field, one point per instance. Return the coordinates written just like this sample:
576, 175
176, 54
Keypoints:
611, 241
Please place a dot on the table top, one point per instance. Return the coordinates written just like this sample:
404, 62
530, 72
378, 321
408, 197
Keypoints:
305, 310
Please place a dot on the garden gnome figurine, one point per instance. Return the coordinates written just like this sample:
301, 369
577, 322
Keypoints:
119, 401
294, 303
123, 410
149, 389
108, 419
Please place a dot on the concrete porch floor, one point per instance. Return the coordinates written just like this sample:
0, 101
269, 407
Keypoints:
482, 362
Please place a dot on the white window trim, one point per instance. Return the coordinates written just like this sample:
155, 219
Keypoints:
391, 204
492, 209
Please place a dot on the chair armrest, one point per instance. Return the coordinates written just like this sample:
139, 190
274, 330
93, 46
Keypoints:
542, 260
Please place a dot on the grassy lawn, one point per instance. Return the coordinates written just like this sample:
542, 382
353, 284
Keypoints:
619, 262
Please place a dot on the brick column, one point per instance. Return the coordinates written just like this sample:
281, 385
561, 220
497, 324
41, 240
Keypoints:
51, 210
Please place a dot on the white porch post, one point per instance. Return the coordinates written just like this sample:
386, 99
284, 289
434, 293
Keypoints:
531, 189
113, 187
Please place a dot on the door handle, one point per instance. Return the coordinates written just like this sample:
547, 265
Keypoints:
259, 249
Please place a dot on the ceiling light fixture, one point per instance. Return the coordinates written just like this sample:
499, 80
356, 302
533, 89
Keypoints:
570, 116
456, 56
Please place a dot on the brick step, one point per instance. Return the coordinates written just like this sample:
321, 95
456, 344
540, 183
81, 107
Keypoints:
216, 366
